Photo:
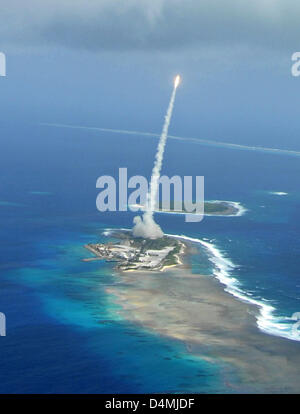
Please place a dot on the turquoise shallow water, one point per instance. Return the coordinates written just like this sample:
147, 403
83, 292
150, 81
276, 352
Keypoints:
64, 333
67, 334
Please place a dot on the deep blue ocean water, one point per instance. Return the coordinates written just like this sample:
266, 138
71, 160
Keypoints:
63, 331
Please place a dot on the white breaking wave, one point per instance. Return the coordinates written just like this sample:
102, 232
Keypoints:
241, 210
279, 193
107, 232
223, 267
199, 141
266, 320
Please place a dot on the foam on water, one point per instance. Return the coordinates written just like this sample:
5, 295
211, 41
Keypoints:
267, 322
279, 193
266, 319
241, 210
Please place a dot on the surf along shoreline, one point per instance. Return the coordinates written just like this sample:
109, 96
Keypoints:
214, 208
214, 318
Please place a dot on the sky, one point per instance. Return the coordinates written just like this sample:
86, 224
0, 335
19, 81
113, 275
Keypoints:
111, 64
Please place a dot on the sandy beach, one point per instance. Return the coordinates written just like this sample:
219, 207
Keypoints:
212, 324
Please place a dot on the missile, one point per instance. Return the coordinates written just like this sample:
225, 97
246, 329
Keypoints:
176, 81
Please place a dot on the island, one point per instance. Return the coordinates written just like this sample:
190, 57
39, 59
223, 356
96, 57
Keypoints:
211, 208
138, 254
220, 208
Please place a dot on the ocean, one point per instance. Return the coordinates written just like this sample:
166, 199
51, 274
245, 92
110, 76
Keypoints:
64, 332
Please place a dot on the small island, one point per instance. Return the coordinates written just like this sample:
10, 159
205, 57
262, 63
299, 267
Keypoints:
138, 254
211, 208
219, 208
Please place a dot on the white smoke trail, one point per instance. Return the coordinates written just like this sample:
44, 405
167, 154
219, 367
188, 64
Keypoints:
146, 226
159, 155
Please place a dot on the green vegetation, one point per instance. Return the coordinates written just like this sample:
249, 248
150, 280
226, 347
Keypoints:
215, 207
154, 244
210, 207
170, 259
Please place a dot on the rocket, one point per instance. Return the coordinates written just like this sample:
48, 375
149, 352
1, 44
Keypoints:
176, 81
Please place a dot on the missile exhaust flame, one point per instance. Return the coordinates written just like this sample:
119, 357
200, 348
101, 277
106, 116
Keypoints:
177, 81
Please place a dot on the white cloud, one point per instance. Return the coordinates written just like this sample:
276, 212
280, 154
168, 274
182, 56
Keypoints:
149, 24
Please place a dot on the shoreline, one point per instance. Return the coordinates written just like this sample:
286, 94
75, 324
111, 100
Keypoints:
213, 317
137, 254
196, 310
266, 321
278, 326
236, 205
217, 324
